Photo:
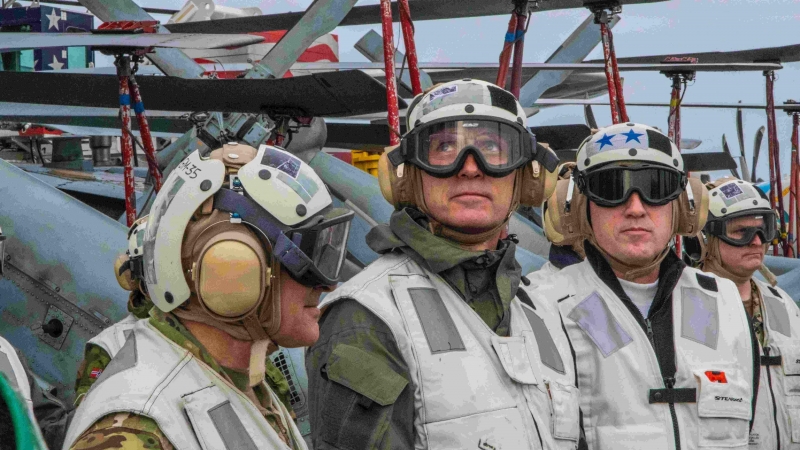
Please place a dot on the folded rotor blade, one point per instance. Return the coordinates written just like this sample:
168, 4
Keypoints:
727, 151
756, 149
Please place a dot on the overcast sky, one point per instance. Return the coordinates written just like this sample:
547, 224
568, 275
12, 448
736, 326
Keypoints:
676, 26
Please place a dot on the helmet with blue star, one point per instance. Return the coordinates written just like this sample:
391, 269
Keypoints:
628, 143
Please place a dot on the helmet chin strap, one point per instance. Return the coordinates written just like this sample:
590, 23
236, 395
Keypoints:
439, 229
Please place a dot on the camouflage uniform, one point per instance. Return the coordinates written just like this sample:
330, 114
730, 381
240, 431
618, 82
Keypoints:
96, 359
487, 281
132, 431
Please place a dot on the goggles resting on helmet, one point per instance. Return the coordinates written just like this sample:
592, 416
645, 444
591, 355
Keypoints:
440, 147
313, 253
739, 230
613, 185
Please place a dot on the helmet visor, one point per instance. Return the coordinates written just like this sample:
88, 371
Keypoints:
613, 186
441, 148
741, 231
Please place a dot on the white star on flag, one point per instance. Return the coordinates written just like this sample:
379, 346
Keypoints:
53, 18
55, 65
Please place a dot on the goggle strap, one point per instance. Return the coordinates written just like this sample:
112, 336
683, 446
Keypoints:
286, 251
570, 187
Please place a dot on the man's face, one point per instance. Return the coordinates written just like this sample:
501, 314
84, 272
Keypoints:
299, 313
743, 261
633, 232
470, 200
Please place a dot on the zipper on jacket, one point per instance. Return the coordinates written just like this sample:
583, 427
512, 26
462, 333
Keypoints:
669, 382
774, 405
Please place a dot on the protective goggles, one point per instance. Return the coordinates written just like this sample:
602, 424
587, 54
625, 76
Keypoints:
313, 253
613, 186
740, 230
441, 147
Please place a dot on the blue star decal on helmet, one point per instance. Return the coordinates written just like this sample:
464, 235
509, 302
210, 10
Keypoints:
605, 140
632, 136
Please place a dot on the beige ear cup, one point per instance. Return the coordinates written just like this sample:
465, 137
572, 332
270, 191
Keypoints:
385, 175
397, 183
124, 278
562, 226
692, 220
232, 274
537, 184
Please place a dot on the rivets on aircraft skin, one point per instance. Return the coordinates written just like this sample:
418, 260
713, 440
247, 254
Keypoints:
301, 210
205, 185
264, 174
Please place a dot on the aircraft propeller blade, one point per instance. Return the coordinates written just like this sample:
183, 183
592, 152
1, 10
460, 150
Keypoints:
588, 115
756, 148
740, 135
727, 150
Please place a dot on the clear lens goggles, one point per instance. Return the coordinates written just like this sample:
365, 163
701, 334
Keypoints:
313, 253
613, 186
742, 230
441, 147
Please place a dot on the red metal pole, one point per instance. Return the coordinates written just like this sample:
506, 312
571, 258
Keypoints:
144, 128
796, 179
505, 55
612, 87
793, 188
776, 185
411, 47
623, 112
123, 72
519, 45
673, 120
388, 63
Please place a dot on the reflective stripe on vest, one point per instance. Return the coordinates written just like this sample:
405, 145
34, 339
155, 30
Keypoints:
699, 317
593, 316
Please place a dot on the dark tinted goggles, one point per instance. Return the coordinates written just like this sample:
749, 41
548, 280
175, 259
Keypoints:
613, 186
740, 231
441, 147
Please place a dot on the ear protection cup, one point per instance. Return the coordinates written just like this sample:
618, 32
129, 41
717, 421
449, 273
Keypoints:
564, 224
124, 278
692, 220
397, 190
537, 184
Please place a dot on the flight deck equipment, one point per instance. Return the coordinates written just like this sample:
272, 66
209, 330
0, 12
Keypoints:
388, 58
514, 43
775, 182
602, 16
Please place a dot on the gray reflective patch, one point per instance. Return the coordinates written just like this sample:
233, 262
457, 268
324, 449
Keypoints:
127, 334
125, 359
440, 331
594, 317
699, 317
548, 351
777, 317
230, 427
8, 370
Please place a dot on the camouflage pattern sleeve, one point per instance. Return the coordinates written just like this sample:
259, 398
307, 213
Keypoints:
340, 416
95, 361
126, 431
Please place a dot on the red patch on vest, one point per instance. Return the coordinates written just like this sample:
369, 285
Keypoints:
716, 377
95, 373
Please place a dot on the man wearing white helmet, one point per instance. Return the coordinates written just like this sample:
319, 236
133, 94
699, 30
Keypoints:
665, 355
740, 227
429, 347
237, 249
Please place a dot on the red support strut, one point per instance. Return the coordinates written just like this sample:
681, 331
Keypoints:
674, 120
776, 184
411, 48
519, 46
388, 61
508, 48
123, 72
793, 200
144, 129
618, 111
